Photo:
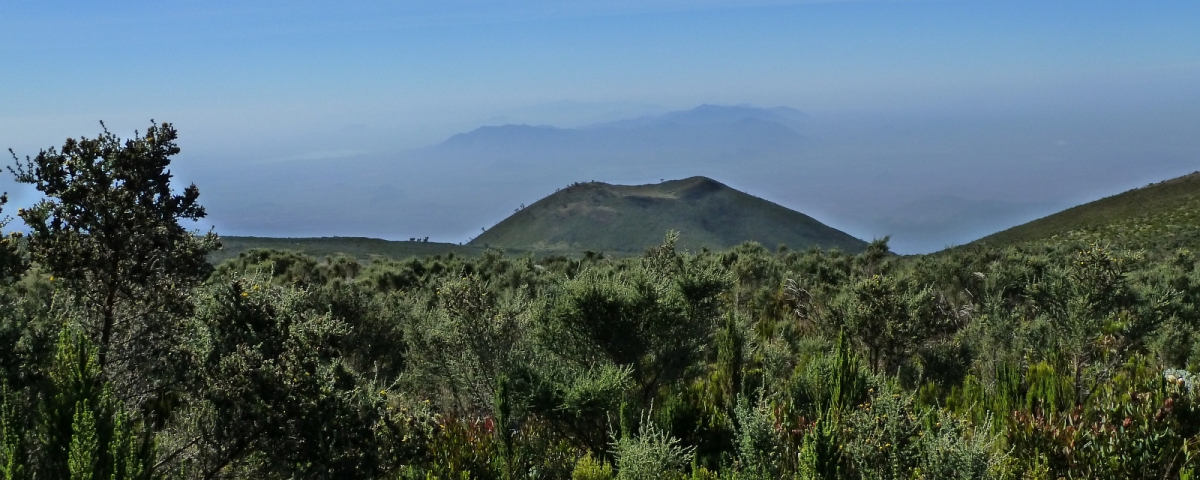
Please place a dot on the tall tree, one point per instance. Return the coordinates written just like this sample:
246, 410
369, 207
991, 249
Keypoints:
109, 228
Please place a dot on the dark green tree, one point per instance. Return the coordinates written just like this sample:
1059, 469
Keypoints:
890, 318
109, 228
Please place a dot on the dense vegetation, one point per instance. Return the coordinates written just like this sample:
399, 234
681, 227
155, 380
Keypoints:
124, 355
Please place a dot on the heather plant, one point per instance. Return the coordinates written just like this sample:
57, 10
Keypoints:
650, 454
950, 448
589, 468
585, 400
761, 450
882, 435
821, 450
479, 336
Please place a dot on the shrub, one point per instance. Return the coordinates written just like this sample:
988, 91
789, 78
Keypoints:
650, 455
588, 468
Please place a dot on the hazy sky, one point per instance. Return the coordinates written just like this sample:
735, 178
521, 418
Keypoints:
232, 73
287, 80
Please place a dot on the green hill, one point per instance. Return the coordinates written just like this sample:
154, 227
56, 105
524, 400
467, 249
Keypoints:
1157, 216
620, 218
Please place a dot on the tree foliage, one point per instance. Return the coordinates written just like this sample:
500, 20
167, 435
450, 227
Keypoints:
108, 227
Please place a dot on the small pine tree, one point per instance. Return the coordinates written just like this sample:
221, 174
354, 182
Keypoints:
85, 431
83, 456
731, 346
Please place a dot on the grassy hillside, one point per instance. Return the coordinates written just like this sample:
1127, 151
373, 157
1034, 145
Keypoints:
1159, 215
358, 247
616, 218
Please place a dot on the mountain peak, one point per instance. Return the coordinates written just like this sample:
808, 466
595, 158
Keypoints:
695, 187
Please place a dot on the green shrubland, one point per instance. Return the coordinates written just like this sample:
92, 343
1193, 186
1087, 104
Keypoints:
124, 355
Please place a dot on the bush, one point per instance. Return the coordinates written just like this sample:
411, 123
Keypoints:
650, 455
588, 468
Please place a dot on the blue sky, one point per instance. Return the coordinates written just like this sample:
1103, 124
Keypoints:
235, 71
315, 79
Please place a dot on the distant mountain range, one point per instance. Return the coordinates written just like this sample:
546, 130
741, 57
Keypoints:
630, 218
704, 134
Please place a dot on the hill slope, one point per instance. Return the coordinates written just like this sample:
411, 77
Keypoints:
1159, 215
621, 218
